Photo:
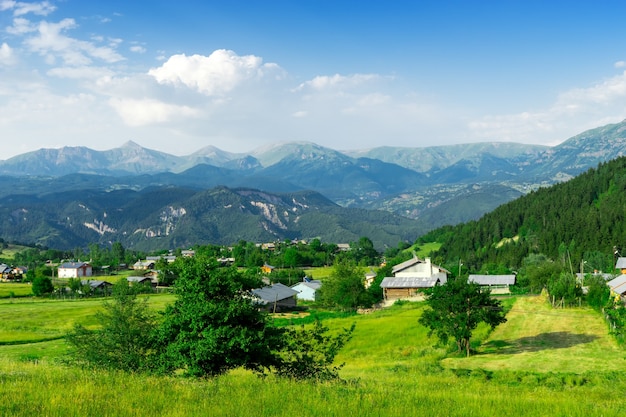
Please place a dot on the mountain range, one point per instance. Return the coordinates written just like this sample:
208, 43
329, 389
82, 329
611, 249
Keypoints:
418, 188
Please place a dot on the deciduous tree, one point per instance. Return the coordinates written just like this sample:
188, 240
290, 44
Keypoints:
456, 309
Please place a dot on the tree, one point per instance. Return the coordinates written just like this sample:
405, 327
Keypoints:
213, 326
42, 285
456, 309
344, 287
125, 339
309, 352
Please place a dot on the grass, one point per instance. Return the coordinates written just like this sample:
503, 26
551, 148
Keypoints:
15, 289
544, 339
10, 251
392, 368
27, 321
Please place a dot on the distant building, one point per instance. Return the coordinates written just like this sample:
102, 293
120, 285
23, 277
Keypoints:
275, 297
75, 270
307, 289
498, 284
411, 278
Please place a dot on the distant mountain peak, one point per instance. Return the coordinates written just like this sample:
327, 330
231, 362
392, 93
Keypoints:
131, 144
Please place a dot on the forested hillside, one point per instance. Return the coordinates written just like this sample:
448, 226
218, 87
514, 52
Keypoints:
583, 218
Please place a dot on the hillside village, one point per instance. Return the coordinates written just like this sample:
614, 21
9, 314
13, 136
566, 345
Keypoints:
408, 280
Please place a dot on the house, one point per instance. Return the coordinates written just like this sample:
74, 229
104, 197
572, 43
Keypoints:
369, 278
411, 278
307, 288
139, 280
423, 268
188, 253
621, 264
618, 287
6, 272
275, 297
144, 265
97, 286
75, 270
267, 269
343, 247
401, 288
498, 284
168, 258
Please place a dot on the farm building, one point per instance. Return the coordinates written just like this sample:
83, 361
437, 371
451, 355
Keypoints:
307, 289
75, 270
399, 288
98, 286
275, 296
618, 287
621, 264
498, 284
411, 278
139, 280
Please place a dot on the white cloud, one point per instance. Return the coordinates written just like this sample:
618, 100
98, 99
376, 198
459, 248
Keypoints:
148, 111
337, 81
213, 75
138, 49
21, 26
574, 111
92, 73
620, 64
19, 8
50, 42
7, 56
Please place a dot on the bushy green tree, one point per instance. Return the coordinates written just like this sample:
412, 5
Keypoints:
565, 289
598, 293
456, 309
125, 339
309, 352
42, 285
344, 288
214, 326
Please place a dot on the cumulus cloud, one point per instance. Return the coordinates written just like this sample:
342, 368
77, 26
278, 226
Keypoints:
213, 75
140, 112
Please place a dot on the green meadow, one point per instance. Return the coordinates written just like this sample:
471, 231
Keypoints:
540, 362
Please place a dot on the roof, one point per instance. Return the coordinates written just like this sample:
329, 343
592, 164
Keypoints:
138, 279
314, 284
414, 261
409, 282
618, 285
72, 265
274, 292
621, 263
95, 283
492, 279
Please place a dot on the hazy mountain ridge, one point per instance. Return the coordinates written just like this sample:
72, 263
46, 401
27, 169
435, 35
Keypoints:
170, 217
435, 185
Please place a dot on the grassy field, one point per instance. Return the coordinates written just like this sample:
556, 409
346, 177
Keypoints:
10, 251
15, 289
525, 367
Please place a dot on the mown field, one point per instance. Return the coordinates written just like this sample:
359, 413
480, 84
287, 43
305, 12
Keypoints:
541, 362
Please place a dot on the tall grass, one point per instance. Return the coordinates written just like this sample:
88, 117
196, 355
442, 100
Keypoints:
392, 368
44, 390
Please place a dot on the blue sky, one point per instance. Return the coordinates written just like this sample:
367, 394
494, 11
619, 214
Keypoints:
179, 76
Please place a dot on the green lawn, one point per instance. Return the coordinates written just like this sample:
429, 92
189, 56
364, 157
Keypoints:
539, 338
541, 362
15, 289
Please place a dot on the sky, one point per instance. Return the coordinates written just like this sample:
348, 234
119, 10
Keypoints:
178, 76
